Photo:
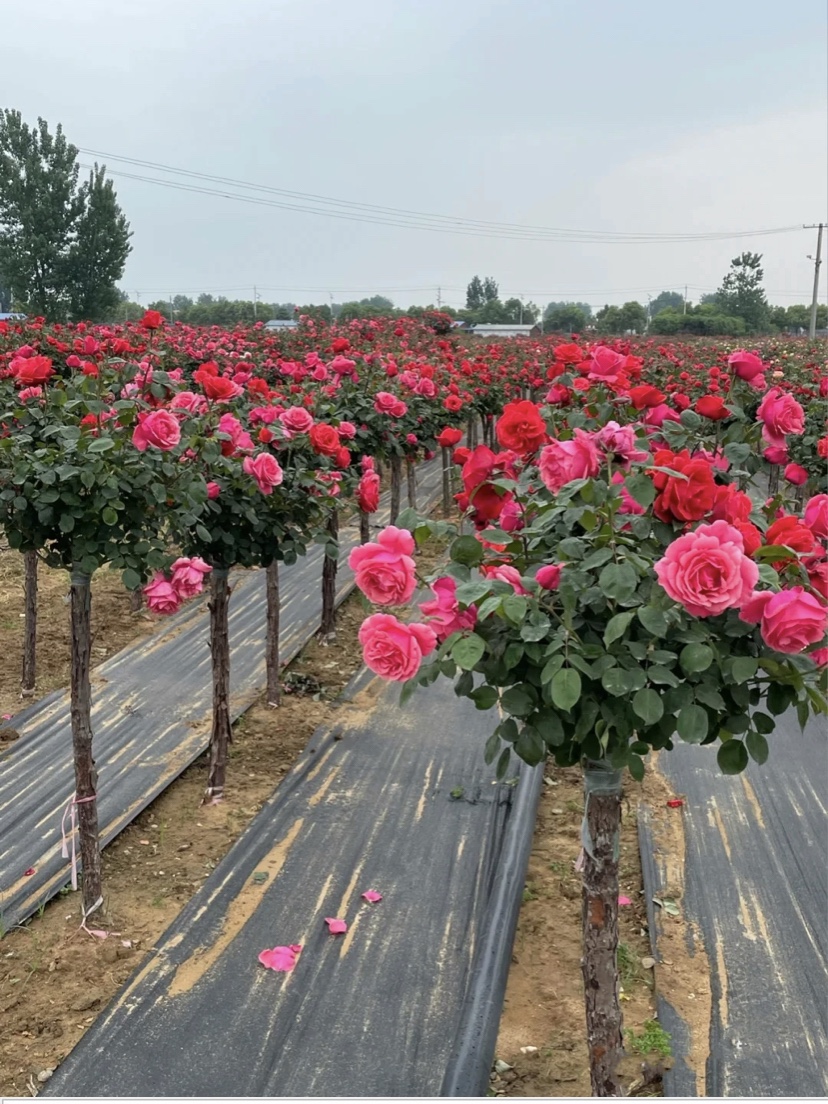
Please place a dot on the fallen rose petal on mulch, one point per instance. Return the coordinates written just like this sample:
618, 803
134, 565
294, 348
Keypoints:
280, 958
335, 926
372, 896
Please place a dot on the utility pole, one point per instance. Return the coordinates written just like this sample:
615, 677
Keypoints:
172, 310
684, 304
817, 262
255, 314
439, 298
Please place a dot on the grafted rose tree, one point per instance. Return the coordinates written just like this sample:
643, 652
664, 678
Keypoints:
617, 598
266, 500
91, 474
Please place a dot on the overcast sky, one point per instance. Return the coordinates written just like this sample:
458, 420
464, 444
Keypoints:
625, 117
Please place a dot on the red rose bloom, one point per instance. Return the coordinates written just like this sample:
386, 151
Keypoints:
712, 407
792, 533
449, 437
644, 396
325, 440
688, 499
152, 320
31, 370
521, 427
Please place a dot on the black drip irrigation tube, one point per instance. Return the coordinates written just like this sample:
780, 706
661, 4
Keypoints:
469, 1067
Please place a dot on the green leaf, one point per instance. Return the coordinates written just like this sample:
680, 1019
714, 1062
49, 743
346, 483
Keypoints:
514, 608
618, 581
653, 620
691, 724
662, 676
485, 697
636, 767
66, 523
597, 559
109, 516
131, 579
708, 695
616, 681
647, 705
617, 626
743, 668
642, 489
468, 651
464, 684
757, 746
763, 723
695, 658
530, 746
517, 701
732, 757
101, 444
203, 534
467, 551
491, 749
468, 593
566, 688
503, 764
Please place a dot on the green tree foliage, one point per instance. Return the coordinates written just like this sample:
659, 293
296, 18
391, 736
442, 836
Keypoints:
491, 291
742, 294
585, 308
798, 317
706, 320
620, 320
664, 300
62, 246
474, 294
565, 318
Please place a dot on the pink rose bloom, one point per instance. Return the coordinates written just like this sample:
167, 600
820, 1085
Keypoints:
157, 429
189, 401
549, 576
619, 442
367, 463
717, 459
796, 474
820, 657
789, 620
393, 650
506, 574
780, 414
385, 571
343, 366
346, 430
160, 595
265, 470
707, 571
296, 419
213, 490
240, 439
746, 366
658, 415
426, 388
30, 393
386, 403
562, 461
816, 516
776, 455
605, 365
444, 613
188, 576
511, 517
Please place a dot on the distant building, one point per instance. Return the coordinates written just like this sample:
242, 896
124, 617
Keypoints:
503, 331
281, 324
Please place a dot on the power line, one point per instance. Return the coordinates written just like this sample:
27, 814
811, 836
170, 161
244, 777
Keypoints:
404, 218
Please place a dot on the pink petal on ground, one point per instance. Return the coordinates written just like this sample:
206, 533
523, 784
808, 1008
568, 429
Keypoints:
7, 717
335, 926
372, 896
28, 873
624, 901
280, 958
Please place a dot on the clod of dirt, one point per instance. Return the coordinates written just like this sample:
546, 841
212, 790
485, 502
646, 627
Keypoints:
83, 1004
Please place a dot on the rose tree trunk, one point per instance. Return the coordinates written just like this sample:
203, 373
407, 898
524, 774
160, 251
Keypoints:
274, 692
411, 475
395, 463
330, 565
27, 682
222, 733
86, 777
602, 820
